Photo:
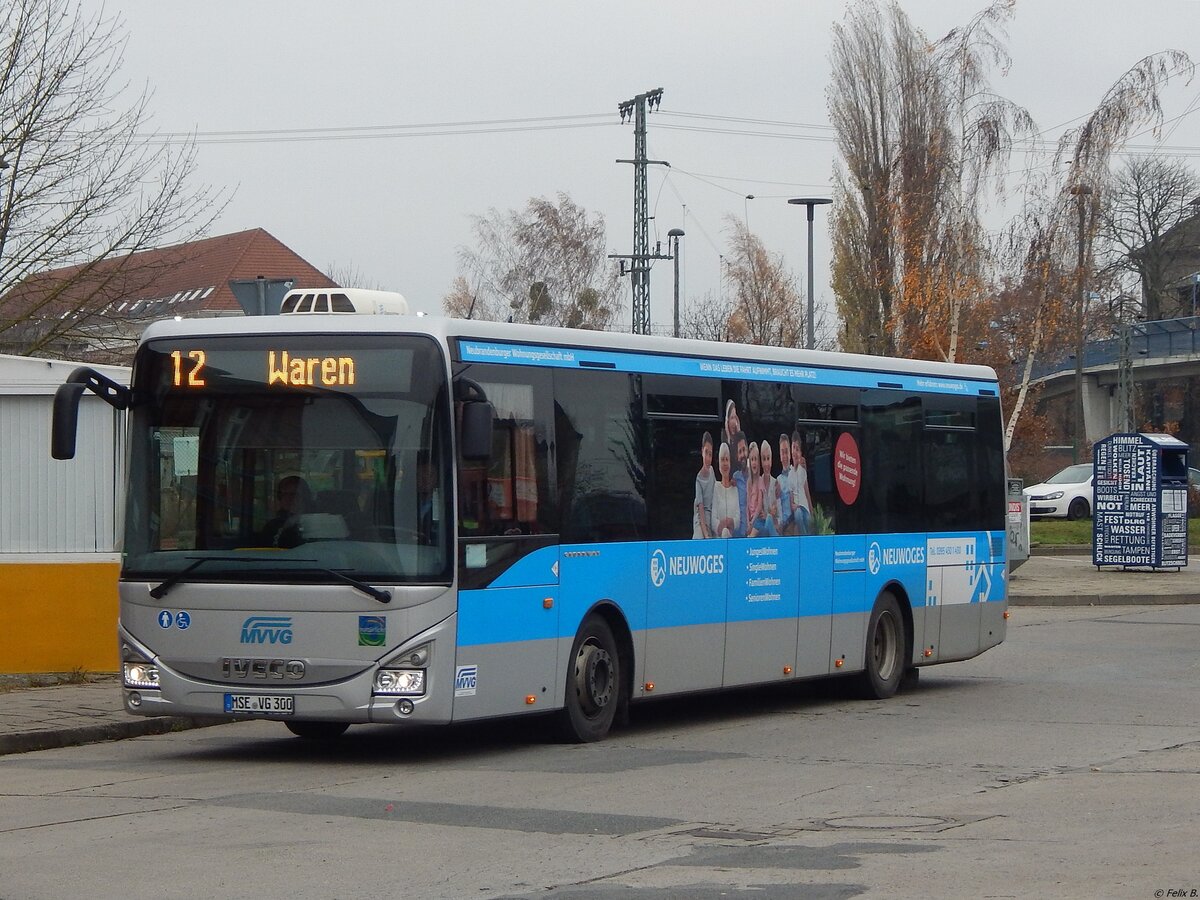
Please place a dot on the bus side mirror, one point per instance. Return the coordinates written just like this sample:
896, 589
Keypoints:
65, 420
477, 416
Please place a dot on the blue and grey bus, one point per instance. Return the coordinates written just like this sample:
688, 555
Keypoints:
412, 520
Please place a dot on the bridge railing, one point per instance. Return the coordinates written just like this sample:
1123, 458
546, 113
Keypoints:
1147, 340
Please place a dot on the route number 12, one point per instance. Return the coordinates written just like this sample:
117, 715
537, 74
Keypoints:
193, 376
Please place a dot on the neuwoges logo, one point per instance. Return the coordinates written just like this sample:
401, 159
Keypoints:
267, 630
893, 556
704, 564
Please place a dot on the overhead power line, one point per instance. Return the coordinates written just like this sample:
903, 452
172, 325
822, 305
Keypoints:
708, 123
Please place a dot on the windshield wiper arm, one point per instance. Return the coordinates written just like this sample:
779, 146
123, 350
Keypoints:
380, 595
161, 591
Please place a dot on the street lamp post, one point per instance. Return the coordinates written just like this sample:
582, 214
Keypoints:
1082, 193
675, 234
810, 202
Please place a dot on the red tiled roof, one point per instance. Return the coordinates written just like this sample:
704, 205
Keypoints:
197, 273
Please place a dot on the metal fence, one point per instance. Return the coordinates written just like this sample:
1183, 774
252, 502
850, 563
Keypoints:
1147, 340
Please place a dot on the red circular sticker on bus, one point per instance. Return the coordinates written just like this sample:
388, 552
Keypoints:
847, 468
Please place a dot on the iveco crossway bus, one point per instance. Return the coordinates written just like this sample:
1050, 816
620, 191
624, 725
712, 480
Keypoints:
338, 519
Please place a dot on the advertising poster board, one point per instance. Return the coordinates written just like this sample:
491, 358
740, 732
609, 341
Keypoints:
1140, 501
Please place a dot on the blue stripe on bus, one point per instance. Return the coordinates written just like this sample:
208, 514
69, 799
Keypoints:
672, 584
592, 573
505, 615
575, 357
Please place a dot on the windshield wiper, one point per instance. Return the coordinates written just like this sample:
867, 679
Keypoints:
381, 595
161, 591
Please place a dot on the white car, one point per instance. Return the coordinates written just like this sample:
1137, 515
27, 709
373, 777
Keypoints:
1067, 493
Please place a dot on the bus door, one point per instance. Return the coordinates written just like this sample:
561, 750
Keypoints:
508, 601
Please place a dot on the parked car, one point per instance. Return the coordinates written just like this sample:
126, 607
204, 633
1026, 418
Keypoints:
1067, 493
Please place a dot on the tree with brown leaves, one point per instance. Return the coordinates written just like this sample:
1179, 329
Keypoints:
546, 264
919, 133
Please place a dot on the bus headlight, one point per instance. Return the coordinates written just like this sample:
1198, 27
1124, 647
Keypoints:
140, 675
137, 671
400, 682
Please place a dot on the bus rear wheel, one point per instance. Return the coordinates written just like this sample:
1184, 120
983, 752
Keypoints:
887, 650
317, 731
593, 684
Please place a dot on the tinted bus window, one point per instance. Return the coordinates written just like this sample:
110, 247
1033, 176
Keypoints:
600, 455
950, 501
990, 465
892, 488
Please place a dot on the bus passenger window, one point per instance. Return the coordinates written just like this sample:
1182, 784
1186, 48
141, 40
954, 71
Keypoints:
601, 456
510, 493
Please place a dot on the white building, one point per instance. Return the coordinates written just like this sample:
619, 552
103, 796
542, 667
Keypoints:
58, 524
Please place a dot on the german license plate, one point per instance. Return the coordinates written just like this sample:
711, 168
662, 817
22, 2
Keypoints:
260, 704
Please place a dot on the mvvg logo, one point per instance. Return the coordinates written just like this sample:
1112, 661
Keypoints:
267, 630
466, 679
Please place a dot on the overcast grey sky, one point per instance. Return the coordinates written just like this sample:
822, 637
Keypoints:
397, 203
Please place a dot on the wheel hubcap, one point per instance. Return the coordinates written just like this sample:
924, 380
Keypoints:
884, 647
593, 677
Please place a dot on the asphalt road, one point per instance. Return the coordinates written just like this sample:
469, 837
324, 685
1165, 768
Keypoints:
1064, 763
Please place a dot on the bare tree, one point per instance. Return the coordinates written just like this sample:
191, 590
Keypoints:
83, 183
1145, 201
1066, 211
351, 276
762, 304
546, 264
707, 318
919, 132
768, 308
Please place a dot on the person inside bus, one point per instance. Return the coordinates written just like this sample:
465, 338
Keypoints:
741, 477
292, 499
706, 481
726, 505
428, 514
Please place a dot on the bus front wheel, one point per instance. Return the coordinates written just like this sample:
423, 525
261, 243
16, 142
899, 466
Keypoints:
593, 684
887, 650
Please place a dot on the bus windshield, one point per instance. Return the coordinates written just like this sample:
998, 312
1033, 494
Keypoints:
290, 459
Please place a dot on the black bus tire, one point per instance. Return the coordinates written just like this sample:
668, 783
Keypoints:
593, 684
886, 651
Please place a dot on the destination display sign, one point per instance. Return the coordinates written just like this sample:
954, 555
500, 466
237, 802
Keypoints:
197, 367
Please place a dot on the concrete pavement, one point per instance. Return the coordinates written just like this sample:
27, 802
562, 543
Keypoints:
41, 718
